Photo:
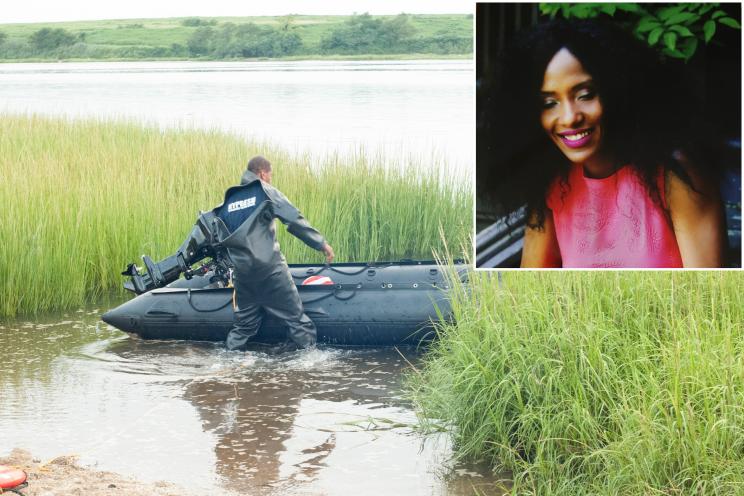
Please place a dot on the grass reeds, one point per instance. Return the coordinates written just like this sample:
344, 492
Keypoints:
80, 199
596, 382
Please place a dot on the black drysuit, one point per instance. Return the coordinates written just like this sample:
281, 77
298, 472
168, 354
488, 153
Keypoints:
260, 273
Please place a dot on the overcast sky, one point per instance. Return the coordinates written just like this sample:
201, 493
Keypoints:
78, 10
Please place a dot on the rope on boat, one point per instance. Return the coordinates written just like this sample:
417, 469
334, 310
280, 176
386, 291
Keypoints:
334, 269
191, 304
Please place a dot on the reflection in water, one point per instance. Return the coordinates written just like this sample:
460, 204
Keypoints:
325, 421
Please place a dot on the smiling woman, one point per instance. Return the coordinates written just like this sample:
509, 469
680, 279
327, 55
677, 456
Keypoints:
603, 142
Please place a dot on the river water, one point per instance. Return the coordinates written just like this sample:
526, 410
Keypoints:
329, 421
422, 109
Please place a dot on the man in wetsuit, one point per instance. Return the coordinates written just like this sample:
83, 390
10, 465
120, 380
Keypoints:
261, 276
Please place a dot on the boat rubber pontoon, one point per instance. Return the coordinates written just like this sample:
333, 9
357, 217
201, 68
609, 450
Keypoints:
351, 304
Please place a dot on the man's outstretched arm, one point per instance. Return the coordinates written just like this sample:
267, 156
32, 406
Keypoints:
297, 225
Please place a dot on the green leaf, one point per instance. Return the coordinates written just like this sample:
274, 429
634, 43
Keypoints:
670, 40
686, 17
717, 14
690, 47
550, 9
653, 37
729, 21
707, 7
628, 7
668, 12
582, 10
681, 30
647, 24
674, 53
709, 29
565, 10
608, 8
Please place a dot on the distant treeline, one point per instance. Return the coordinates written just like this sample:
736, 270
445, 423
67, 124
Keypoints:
366, 34
357, 35
244, 41
58, 43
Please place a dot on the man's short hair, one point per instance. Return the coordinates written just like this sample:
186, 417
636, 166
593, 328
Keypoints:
258, 164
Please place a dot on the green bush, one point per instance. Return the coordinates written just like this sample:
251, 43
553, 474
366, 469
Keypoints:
197, 22
200, 43
362, 34
13, 49
48, 39
244, 41
366, 34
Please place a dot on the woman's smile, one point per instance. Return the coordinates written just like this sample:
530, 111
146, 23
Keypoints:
578, 138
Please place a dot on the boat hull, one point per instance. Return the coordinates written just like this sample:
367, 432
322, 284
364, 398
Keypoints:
367, 304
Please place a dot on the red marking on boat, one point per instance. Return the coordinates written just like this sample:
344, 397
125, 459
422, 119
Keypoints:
317, 281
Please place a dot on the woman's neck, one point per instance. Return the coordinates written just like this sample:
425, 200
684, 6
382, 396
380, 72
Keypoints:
599, 167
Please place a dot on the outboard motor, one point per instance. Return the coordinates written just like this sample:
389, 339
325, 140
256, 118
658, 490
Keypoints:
200, 244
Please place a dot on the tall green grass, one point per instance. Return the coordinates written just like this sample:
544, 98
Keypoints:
596, 382
80, 199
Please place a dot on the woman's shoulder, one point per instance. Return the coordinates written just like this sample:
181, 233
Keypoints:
690, 172
686, 186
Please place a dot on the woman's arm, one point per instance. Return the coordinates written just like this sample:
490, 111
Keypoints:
697, 218
541, 245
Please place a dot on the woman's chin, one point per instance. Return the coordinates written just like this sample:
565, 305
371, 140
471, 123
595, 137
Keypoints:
577, 156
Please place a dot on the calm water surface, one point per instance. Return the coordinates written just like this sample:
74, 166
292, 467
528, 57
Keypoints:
328, 421
421, 108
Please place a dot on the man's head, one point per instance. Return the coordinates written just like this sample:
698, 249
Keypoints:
260, 167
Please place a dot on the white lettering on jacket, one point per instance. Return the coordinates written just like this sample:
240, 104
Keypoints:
240, 205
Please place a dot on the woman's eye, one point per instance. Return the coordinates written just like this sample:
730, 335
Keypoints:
587, 95
549, 103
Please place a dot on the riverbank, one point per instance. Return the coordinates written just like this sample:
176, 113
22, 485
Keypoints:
82, 198
241, 38
62, 476
288, 58
596, 382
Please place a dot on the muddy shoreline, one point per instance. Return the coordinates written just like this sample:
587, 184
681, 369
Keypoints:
63, 476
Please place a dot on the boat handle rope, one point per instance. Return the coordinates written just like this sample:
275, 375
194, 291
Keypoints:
335, 293
191, 304
342, 272
351, 295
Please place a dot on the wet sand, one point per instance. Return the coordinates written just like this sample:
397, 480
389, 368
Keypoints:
62, 476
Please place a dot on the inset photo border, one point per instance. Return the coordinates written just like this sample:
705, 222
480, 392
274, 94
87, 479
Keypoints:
608, 136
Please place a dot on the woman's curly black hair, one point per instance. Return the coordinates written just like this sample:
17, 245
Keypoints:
647, 112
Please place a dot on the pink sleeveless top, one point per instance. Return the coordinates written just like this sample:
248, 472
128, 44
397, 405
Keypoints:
611, 222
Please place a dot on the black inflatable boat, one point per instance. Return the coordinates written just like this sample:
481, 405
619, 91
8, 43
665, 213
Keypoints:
350, 303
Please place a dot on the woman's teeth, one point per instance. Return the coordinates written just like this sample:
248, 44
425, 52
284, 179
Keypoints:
576, 137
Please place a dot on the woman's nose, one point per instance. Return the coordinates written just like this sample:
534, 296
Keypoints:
570, 115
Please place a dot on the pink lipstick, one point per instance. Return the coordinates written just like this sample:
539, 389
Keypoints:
576, 138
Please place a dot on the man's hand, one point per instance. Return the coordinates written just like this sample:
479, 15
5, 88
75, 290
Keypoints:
328, 253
